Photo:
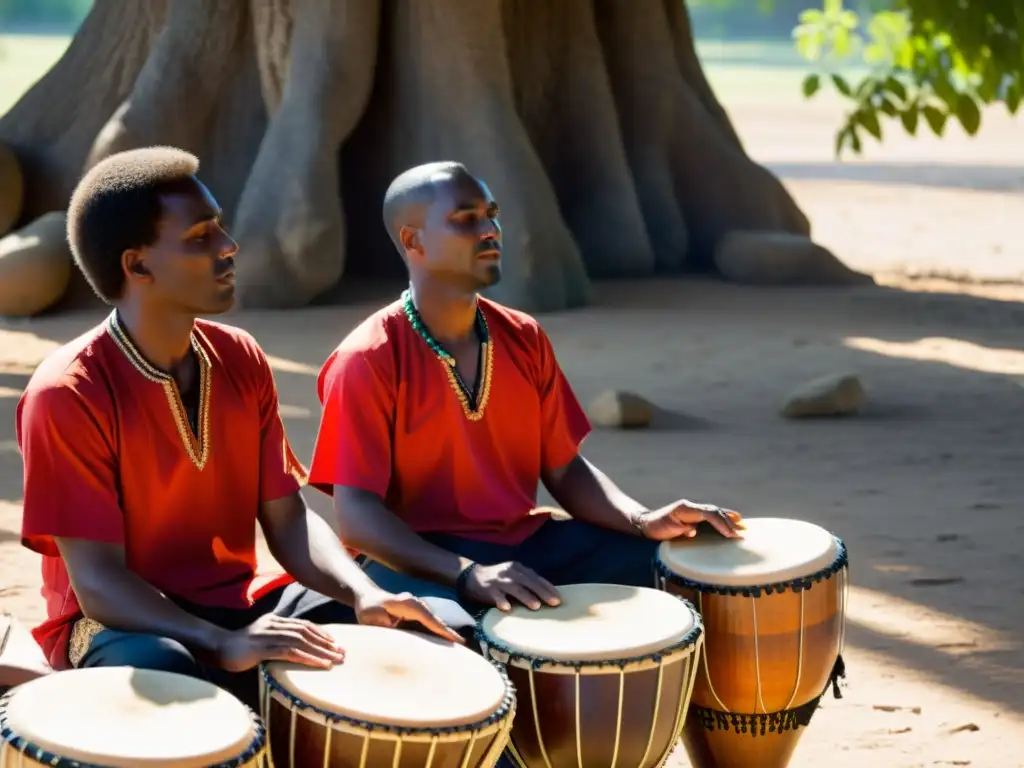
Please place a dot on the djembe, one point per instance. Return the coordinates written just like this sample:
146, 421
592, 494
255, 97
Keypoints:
774, 605
603, 679
401, 699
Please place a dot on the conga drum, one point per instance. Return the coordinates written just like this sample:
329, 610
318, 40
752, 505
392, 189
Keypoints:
400, 699
774, 608
603, 679
119, 717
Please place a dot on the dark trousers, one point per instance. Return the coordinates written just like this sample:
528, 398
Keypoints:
114, 648
562, 551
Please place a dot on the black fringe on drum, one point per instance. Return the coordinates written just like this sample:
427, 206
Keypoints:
795, 585
40, 755
779, 722
537, 662
507, 704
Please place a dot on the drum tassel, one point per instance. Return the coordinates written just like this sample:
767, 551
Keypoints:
838, 670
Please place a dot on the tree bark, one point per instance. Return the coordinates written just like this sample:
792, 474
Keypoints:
591, 121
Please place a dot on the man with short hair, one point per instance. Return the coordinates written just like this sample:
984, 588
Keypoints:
152, 445
443, 412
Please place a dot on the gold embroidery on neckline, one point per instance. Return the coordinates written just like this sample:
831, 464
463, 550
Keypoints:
197, 446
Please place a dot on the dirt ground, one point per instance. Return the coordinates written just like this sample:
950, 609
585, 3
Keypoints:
925, 485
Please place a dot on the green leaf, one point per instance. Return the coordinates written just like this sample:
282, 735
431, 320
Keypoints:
833, 7
1013, 98
855, 144
968, 114
869, 119
876, 53
841, 85
809, 46
841, 42
849, 19
842, 137
895, 87
936, 119
888, 107
909, 120
811, 85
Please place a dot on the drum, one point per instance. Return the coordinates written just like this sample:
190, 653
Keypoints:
774, 610
608, 673
119, 717
401, 699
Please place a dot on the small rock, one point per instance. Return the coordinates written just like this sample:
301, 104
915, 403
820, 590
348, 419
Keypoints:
833, 395
35, 266
897, 731
781, 258
12, 189
624, 410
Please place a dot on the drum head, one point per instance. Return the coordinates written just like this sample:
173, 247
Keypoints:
772, 550
398, 678
594, 622
131, 718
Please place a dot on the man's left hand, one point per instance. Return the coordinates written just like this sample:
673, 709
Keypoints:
384, 609
680, 519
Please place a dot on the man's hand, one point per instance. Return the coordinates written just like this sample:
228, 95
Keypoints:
274, 638
680, 519
497, 584
384, 609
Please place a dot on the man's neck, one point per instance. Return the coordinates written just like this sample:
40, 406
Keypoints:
162, 337
450, 314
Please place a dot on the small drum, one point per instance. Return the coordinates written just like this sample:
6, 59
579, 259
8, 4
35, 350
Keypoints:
774, 609
609, 673
119, 717
400, 699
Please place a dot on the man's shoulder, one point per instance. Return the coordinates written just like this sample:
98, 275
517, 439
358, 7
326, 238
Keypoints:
373, 339
74, 375
512, 319
236, 348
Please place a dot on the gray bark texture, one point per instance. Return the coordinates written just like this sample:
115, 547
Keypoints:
590, 120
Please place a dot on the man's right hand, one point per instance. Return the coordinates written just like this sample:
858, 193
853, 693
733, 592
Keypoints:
498, 584
274, 638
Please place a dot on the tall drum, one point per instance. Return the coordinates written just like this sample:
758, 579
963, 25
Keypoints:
603, 679
399, 700
774, 610
118, 717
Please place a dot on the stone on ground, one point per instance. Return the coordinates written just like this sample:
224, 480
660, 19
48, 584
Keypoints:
838, 394
620, 409
781, 258
35, 266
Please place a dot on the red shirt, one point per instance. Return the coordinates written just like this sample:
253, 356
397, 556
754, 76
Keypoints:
109, 456
393, 424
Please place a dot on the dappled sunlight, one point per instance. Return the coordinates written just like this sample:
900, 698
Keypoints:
939, 349
22, 349
291, 366
886, 614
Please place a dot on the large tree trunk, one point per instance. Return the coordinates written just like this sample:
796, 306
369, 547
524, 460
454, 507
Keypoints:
591, 121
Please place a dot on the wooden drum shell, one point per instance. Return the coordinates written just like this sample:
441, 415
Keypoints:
640, 731
300, 736
769, 654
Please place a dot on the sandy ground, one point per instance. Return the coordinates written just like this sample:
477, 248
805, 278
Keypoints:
924, 485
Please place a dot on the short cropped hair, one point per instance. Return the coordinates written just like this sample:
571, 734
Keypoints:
116, 207
412, 191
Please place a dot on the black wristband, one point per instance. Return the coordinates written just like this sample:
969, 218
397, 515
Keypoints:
460, 582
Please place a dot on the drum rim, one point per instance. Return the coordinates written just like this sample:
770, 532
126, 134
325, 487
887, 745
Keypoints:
688, 641
799, 584
505, 708
23, 746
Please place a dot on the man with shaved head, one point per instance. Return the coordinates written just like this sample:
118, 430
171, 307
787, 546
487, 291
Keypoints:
444, 411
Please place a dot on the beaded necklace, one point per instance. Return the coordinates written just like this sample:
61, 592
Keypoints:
472, 406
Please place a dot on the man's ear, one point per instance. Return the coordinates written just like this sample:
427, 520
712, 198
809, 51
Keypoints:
409, 237
133, 263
